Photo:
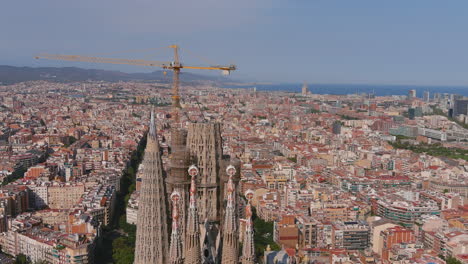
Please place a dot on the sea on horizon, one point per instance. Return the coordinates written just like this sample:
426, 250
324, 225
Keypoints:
379, 90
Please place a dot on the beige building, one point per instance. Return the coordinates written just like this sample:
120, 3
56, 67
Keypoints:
377, 225
64, 196
42, 244
52, 217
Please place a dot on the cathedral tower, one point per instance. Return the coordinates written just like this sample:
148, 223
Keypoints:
152, 232
205, 145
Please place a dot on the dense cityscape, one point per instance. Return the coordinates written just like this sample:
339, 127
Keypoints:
234, 176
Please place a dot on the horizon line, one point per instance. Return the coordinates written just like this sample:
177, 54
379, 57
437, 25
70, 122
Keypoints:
239, 82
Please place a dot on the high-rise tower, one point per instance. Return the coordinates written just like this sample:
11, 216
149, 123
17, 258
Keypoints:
460, 107
230, 249
152, 231
192, 232
248, 251
305, 89
411, 94
426, 96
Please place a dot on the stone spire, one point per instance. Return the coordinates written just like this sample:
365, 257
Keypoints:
175, 251
192, 232
152, 231
248, 252
230, 249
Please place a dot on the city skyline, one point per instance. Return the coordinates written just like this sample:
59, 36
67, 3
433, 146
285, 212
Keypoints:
326, 178
339, 137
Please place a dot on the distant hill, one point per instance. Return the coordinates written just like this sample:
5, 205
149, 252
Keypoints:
11, 75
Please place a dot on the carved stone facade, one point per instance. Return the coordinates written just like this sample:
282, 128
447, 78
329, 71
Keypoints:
205, 145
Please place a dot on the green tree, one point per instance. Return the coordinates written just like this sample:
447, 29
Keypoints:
452, 260
123, 251
432, 149
131, 171
263, 235
72, 139
313, 111
347, 117
22, 259
17, 173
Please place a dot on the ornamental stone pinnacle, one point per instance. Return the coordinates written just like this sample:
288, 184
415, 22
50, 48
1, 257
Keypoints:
230, 249
192, 235
248, 251
175, 251
152, 245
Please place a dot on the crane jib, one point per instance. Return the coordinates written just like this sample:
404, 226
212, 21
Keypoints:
175, 66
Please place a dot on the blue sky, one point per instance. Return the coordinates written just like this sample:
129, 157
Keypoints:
329, 41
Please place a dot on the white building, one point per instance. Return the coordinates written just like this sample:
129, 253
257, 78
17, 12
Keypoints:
432, 133
132, 208
39, 195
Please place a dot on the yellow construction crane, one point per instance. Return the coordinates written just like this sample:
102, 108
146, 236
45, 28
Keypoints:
175, 66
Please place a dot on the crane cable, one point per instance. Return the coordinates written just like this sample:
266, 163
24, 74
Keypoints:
129, 51
147, 56
205, 60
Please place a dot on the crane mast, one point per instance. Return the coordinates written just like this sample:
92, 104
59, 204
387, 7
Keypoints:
176, 82
175, 66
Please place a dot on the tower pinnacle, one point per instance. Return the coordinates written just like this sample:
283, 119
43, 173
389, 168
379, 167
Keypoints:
192, 238
175, 251
230, 235
248, 252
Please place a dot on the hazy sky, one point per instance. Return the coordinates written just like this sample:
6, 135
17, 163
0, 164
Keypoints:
328, 41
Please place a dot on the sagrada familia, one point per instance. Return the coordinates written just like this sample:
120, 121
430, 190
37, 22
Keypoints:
190, 213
